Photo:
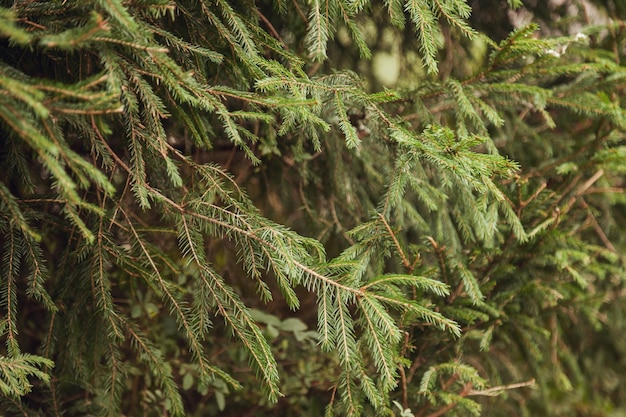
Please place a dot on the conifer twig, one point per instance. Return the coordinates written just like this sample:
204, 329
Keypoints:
466, 389
405, 260
405, 391
333, 212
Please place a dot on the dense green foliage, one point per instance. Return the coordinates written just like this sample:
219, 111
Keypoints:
229, 208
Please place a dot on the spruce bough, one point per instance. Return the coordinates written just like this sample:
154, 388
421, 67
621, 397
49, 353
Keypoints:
194, 198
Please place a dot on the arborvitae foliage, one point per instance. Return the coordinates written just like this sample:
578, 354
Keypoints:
202, 214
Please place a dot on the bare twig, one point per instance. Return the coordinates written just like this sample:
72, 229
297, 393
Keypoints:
272, 29
493, 391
